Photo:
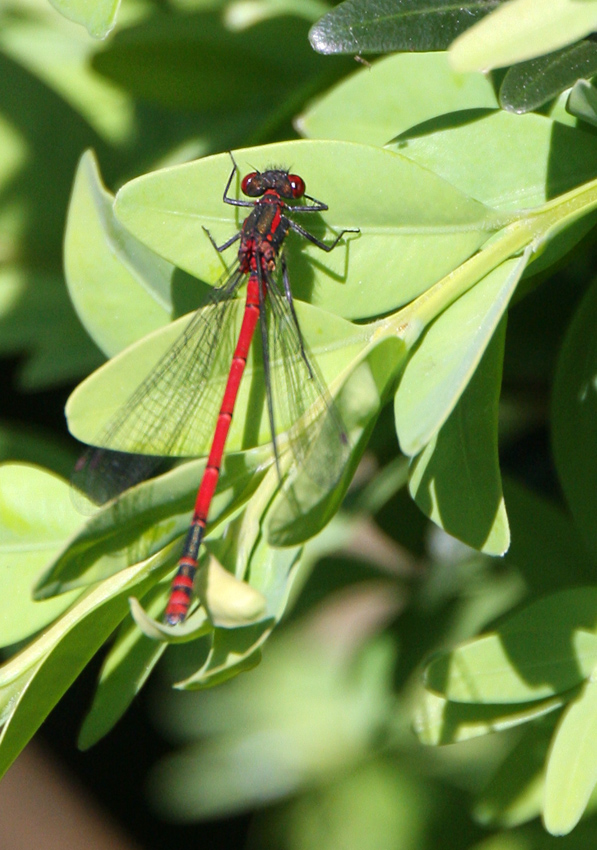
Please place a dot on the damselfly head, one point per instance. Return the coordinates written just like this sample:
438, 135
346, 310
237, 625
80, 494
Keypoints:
257, 183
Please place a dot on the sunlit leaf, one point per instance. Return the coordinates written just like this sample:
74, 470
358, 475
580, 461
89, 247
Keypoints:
522, 29
571, 768
97, 16
411, 233
121, 291
543, 650
373, 105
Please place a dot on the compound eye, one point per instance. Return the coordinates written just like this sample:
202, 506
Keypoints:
297, 184
252, 185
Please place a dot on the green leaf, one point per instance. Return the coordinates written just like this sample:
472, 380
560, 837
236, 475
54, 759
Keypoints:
574, 417
334, 343
120, 289
376, 26
533, 157
33, 681
326, 706
522, 29
197, 62
572, 767
530, 84
443, 364
272, 572
456, 479
30, 537
374, 105
418, 229
146, 519
546, 549
438, 721
542, 651
305, 503
582, 102
60, 55
514, 794
124, 672
57, 351
97, 16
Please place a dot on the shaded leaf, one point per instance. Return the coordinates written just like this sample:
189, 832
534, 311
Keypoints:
582, 102
514, 794
418, 229
574, 417
529, 85
534, 158
439, 721
383, 26
456, 479
543, 650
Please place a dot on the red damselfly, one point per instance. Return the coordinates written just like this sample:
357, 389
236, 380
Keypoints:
174, 406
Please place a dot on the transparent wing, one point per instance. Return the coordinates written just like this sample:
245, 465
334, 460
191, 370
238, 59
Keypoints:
317, 437
173, 411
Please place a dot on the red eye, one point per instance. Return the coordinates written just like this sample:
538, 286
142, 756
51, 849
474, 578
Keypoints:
297, 185
252, 185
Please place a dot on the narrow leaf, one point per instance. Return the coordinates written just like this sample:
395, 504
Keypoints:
572, 765
574, 417
384, 26
529, 85
441, 367
456, 479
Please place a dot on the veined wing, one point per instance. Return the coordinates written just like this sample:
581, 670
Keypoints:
174, 410
317, 437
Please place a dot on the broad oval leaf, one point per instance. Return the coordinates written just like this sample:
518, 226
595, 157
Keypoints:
439, 721
414, 226
374, 105
333, 342
30, 537
534, 158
